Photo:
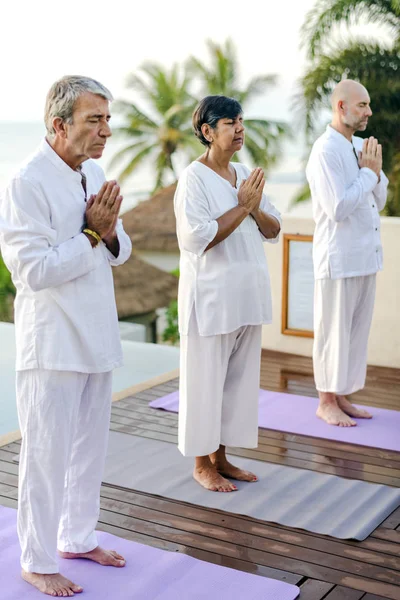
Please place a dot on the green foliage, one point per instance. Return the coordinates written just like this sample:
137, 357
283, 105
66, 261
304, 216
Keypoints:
159, 137
326, 14
375, 65
171, 332
7, 293
163, 129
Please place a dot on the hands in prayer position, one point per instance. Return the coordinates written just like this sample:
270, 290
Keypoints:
371, 155
103, 209
250, 191
249, 197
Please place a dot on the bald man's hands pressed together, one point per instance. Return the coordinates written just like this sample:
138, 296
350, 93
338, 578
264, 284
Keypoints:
371, 156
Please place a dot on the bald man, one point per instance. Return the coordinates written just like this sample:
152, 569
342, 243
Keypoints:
348, 189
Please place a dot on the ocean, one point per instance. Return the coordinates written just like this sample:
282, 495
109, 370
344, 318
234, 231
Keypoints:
18, 140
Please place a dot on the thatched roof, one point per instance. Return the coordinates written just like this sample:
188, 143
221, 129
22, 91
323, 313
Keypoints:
141, 288
151, 224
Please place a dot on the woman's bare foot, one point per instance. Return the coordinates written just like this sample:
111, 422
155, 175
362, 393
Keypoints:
210, 479
333, 415
228, 470
107, 558
348, 408
52, 585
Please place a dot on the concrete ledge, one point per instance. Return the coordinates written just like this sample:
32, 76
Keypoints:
14, 436
145, 385
9, 438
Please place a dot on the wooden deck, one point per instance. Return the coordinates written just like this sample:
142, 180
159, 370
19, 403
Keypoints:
323, 567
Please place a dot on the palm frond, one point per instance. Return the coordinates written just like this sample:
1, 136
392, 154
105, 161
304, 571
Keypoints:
135, 161
302, 195
321, 19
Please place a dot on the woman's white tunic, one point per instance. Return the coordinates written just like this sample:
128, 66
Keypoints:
229, 284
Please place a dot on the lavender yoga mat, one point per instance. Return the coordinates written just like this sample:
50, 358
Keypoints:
296, 414
150, 574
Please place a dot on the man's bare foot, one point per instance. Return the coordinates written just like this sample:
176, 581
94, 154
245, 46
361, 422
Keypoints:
348, 408
333, 415
226, 469
107, 558
52, 585
210, 479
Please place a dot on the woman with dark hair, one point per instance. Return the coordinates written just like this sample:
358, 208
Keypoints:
224, 295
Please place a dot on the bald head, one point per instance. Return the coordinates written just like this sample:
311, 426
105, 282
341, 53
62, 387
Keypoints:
348, 91
350, 105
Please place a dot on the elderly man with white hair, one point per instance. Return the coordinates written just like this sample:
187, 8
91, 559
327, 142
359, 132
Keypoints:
60, 234
348, 189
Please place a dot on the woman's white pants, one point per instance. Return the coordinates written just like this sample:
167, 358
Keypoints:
342, 320
219, 388
64, 420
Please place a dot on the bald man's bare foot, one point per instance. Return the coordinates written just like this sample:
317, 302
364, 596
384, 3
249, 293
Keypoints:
107, 558
352, 411
210, 479
226, 469
333, 415
53, 585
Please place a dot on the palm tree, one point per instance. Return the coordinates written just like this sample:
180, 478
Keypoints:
321, 19
374, 63
164, 131
263, 137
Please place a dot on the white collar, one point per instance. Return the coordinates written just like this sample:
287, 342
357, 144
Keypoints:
332, 132
57, 161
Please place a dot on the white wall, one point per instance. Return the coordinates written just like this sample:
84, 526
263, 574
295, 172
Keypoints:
384, 341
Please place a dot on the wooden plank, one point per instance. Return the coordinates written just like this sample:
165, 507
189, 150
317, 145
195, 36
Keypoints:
312, 570
393, 520
389, 535
235, 524
314, 590
211, 557
324, 567
10, 502
7, 467
343, 593
249, 542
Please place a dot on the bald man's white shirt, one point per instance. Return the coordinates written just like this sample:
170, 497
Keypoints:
346, 205
228, 285
65, 312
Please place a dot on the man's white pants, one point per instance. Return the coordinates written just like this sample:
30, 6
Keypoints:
342, 320
64, 419
219, 388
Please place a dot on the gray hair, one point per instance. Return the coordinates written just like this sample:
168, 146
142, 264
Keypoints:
64, 93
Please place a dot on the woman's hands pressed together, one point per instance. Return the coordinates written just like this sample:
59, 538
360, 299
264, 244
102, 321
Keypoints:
251, 190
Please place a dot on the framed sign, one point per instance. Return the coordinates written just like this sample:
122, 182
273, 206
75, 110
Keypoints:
298, 286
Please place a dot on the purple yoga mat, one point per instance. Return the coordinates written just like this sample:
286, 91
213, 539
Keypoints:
296, 414
150, 574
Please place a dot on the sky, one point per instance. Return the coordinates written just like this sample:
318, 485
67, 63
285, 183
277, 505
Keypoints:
44, 40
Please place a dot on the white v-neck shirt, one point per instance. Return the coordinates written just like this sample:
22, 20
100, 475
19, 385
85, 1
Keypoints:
346, 204
65, 312
228, 286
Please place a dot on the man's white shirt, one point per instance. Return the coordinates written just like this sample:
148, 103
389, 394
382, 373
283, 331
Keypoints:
65, 312
228, 286
346, 204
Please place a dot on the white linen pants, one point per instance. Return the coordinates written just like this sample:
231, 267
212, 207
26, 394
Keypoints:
219, 388
342, 320
64, 420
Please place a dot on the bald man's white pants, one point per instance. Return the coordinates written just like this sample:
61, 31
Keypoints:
219, 388
342, 320
64, 419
